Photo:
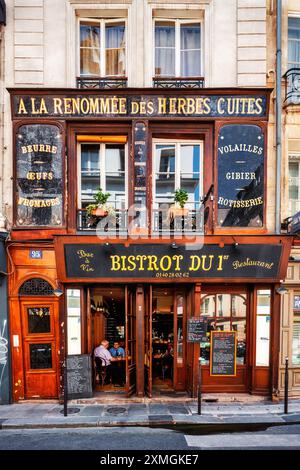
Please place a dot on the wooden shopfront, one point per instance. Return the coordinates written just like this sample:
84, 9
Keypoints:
139, 273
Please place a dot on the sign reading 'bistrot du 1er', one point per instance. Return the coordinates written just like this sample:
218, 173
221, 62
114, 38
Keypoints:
240, 176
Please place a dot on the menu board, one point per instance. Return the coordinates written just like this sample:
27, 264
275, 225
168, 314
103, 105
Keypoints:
223, 353
196, 329
79, 374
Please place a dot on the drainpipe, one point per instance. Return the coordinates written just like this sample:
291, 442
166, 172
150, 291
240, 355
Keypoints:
278, 118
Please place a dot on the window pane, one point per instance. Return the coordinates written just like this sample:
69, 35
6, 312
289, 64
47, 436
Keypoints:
223, 325
205, 346
40, 356
90, 171
38, 320
238, 305
89, 61
190, 64
293, 42
190, 36
165, 49
223, 305
115, 49
240, 327
208, 305
115, 174
263, 320
190, 46
190, 172
179, 329
296, 339
89, 48
293, 169
74, 321
165, 173
89, 35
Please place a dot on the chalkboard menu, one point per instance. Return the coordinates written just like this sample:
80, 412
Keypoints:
196, 330
241, 156
79, 373
223, 353
39, 168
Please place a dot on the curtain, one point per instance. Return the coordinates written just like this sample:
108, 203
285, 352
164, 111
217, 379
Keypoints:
89, 49
165, 50
190, 45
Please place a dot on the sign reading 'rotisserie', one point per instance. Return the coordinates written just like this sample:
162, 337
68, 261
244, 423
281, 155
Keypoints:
160, 262
139, 106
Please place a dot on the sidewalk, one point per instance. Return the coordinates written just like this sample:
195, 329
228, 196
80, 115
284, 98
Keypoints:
214, 415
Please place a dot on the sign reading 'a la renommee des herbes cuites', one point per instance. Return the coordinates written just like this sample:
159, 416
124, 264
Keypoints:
137, 106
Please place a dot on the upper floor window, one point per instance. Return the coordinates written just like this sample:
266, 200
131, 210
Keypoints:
177, 48
294, 43
103, 166
294, 184
102, 48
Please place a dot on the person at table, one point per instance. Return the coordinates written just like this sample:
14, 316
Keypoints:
106, 358
117, 350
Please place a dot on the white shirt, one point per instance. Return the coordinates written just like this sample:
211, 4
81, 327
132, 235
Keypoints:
103, 354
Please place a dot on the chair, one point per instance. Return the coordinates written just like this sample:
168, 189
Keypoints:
99, 370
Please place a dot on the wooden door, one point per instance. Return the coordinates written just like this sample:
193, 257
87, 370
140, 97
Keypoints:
40, 346
148, 341
130, 339
190, 369
180, 309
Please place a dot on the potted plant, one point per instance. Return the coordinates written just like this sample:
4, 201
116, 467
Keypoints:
100, 208
180, 198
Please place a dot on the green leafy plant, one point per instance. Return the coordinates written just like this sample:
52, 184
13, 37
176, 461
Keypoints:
181, 197
101, 203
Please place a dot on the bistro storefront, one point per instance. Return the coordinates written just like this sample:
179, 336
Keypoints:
135, 268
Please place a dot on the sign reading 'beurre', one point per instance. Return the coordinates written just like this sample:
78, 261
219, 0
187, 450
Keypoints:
90, 261
139, 106
223, 353
240, 176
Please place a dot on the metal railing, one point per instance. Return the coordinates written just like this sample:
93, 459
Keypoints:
182, 82
101, 82
113, 223
292, 86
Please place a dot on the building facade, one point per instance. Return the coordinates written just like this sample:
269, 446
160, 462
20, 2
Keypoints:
139, 185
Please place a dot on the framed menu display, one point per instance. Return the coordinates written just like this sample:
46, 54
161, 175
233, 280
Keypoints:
223, 353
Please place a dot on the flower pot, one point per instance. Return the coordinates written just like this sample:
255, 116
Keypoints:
99, 212
177, 212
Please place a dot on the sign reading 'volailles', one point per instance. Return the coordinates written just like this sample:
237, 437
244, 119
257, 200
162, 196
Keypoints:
162, 261
92, 105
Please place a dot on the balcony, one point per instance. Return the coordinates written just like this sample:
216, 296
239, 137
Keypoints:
101, 82
182, 82
292, 87
162, 223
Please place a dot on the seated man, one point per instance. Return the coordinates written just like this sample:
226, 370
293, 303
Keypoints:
116, 350
106, 358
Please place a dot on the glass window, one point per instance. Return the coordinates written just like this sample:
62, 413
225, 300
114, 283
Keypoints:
293, 43
103, 166
177, 48
74, 321
263, 321
102, 48
38, 320
178, 165
40, 356
226, 312
180, 304
294, 185
296, 331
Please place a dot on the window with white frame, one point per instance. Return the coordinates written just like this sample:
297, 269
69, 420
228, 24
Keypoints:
103, 166
177, 165
177, 48
294, 184
102, 47
293, 42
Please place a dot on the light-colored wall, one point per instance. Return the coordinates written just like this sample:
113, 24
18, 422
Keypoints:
41, 43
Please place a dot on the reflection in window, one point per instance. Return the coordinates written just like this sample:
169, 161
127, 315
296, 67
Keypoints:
102, 48
38, 320
225, 312
179, 329
263, 321
74, 321
40, 356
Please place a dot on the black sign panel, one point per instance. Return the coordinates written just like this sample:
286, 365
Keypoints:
196, 330
92, 261
79, 373
240, 176
223, 353
139, 106
39, 175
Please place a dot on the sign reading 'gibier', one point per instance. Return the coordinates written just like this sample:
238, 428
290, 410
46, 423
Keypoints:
88, 261
139, 106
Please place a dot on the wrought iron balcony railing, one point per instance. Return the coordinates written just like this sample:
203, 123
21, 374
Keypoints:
115, 223
182, 82
190, 222
101, 82
292, 86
